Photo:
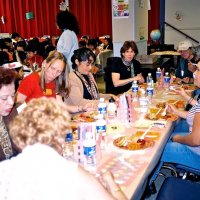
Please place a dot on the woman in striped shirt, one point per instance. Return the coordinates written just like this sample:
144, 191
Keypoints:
184, 147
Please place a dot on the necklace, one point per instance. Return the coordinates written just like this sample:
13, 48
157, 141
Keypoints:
127, 64
5, 140
128, 68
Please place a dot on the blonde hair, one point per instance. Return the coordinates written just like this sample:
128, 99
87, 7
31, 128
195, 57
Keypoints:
62, 81
43, 121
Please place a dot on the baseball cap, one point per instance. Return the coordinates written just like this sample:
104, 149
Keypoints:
184, 45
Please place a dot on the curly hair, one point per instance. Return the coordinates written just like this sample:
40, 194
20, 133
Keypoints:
7, 76
67, 20
42, 121
127, 45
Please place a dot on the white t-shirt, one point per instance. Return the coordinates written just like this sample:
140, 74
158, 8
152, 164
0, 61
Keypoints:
39, 173
67, 43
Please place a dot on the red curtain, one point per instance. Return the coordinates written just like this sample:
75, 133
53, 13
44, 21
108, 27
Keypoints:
44, 22
95, 16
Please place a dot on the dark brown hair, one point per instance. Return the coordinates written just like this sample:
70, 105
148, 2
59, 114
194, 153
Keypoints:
7, 76
127, 45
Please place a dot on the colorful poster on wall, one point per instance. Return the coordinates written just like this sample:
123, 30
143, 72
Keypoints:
120, 8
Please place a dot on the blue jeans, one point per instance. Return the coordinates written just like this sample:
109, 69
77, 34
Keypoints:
181, 154
181, 126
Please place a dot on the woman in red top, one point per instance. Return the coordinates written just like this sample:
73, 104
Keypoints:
50, 81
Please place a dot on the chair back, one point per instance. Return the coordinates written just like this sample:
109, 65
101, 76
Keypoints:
103, 56
108, 77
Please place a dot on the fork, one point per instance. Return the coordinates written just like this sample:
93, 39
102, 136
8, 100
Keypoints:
164, 111
143, 135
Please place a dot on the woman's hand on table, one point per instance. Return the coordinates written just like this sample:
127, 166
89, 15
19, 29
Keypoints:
139, 78
181, 92
107, 180
89, 107
171, 109
186, 80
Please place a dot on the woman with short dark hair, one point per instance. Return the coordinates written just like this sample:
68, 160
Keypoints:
83, 85
127, 69
7, 95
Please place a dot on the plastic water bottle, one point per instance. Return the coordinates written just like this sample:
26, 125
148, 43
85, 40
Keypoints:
150, 92
89, 150
111, 109
143, 102
101, 131
158, 74
134, 90
149, 79
68, 149
166, 80
102, 107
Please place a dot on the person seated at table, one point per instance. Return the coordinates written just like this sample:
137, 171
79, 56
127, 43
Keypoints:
183, 74
40, 171
51, 82
7, 112
16, 38
196, 52
81, 44
83, 86
34, 60
184, 147
92, 44
85, 38
20, 46
8, 42
4, 57
18, 68
107, 43
6, 49
126, 69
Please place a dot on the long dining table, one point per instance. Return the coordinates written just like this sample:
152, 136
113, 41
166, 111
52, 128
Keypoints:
131, 169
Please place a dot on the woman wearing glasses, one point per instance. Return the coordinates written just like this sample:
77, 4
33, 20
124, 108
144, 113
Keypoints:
83, 85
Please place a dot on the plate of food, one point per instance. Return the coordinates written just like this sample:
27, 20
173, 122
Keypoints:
133, 143
167, 117
178, 103
85, 117
189, 87
154, 135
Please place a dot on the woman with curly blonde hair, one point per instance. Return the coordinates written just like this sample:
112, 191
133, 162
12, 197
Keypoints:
40, 172
43, 121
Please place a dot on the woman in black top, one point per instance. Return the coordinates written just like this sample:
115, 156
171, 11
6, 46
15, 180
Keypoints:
126, 69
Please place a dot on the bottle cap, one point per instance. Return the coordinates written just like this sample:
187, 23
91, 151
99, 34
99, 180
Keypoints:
111, 100
149, 74
101, 99
135, 81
